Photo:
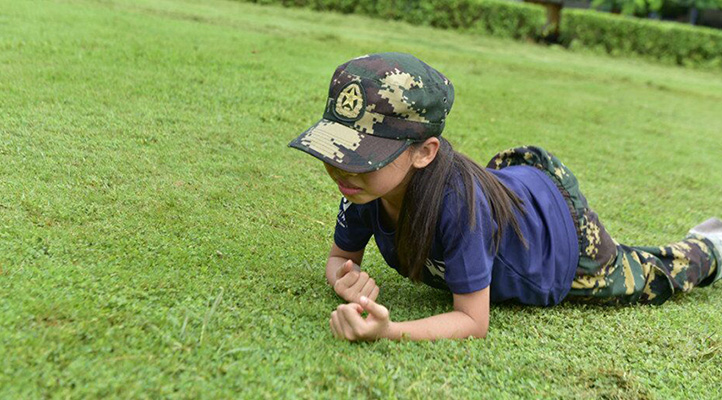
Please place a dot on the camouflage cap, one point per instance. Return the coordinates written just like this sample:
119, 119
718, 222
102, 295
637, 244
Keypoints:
378, 105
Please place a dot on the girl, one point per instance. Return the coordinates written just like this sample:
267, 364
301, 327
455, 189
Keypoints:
518, 230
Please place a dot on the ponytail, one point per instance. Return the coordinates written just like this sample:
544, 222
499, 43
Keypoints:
423, 199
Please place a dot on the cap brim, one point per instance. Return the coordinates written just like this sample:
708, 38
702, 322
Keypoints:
347, 149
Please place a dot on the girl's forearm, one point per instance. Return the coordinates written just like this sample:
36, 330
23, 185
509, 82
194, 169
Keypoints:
332, 266
337, 257
451, 325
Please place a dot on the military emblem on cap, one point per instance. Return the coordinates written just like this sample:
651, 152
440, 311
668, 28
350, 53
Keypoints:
350, 102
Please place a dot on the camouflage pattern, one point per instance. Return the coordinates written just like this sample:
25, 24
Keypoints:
377, 106
609, 272
650, 275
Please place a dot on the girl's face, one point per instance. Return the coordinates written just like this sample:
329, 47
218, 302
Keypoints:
388, 182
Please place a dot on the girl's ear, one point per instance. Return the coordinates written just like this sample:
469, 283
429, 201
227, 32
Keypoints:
425, 154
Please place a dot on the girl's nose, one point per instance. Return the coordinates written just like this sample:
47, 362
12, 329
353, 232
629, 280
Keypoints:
337, 171
345, 173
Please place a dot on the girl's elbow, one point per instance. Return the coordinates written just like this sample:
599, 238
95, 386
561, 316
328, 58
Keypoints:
480, 334
480, 331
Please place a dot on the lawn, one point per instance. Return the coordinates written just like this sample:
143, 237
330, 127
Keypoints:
158, 238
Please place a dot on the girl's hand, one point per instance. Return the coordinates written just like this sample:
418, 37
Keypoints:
352, 284
347, 323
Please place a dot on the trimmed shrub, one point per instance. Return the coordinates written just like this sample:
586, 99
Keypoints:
494, 17
668, 42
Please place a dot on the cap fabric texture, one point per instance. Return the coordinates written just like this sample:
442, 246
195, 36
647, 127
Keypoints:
378, 105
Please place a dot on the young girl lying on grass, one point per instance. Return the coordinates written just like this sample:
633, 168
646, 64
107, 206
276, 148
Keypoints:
517, 230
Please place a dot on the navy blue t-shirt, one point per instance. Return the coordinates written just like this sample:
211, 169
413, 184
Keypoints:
463, 260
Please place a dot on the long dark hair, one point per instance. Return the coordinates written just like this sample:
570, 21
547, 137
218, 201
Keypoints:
424, 195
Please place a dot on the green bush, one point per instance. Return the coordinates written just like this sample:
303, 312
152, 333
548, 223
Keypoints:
668, 42
494, 17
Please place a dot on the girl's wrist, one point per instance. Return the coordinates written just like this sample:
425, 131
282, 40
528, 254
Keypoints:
391, 332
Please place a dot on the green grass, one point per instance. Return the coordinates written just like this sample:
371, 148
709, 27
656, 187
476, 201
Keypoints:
157, 238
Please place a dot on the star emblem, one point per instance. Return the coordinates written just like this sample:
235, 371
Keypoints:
350, 102
351, 98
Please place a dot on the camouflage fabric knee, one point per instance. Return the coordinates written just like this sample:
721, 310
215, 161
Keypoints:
650, 275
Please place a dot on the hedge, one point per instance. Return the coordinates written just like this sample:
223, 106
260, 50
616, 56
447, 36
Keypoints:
493, 17
668, 42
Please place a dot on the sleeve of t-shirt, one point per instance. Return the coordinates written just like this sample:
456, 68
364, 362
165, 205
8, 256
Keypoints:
468, 257
352, 232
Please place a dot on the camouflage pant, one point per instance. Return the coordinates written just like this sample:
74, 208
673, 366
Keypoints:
609, 272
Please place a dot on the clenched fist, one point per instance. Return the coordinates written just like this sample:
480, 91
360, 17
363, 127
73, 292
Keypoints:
347, 323
352, 284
